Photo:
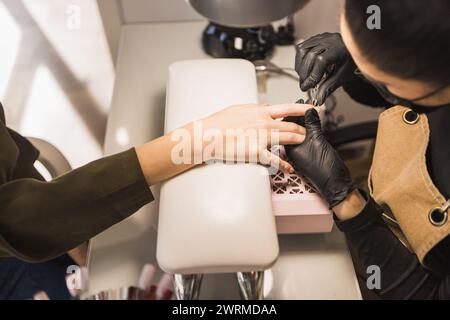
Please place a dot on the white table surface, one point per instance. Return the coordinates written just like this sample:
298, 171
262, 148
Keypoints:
309, 267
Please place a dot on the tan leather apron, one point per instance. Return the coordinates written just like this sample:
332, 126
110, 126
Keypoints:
399, 181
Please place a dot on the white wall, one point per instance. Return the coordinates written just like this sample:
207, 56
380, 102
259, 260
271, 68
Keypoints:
111, 14
115, 13
318, 16
138, 11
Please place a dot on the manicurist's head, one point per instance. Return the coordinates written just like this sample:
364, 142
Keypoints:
409, 56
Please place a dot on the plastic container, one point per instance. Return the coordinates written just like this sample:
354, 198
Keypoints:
297, 207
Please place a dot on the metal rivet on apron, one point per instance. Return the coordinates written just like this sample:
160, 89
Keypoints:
410, 117
437, 217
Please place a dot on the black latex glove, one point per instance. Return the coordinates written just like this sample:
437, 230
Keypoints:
318, 161
324, 54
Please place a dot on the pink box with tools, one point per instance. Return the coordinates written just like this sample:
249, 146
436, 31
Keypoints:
298, 208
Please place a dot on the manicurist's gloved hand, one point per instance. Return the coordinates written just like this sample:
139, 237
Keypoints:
318, 161
324, 54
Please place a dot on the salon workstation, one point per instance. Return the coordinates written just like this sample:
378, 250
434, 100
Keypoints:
300, 255
319, 207
117, 255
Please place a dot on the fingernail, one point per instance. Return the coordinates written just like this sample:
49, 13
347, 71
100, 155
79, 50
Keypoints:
301, 138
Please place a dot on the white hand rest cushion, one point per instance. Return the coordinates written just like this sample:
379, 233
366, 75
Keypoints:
214, 218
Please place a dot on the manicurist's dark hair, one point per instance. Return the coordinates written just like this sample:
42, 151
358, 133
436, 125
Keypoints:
414, 39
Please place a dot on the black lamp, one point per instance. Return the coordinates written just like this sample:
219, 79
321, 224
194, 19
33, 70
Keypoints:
243, 29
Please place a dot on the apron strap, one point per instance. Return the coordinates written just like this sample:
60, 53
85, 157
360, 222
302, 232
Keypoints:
445, 206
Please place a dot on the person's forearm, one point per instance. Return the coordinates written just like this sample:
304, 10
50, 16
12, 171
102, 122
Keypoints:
156, 162
156, 158
350, 207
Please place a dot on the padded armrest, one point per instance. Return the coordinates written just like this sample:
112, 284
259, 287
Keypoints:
215, 217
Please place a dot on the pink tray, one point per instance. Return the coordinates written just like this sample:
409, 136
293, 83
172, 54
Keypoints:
298, 208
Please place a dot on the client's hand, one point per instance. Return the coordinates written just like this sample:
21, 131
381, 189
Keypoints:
317, 160
243, 133
237, 133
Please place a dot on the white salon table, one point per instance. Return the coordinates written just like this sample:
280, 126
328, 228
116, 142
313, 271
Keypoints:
315, 266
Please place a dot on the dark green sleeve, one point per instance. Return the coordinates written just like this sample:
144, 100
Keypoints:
40, 220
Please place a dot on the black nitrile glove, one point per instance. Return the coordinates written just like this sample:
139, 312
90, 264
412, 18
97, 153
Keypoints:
324, 54
318, 161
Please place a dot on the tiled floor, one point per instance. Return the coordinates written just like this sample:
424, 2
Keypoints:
56, 74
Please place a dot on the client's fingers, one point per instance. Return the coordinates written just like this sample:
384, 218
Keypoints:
286, 138
269, 159
288, 126
290, 109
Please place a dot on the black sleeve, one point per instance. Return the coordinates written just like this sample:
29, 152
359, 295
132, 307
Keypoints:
402, 276
363, 92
